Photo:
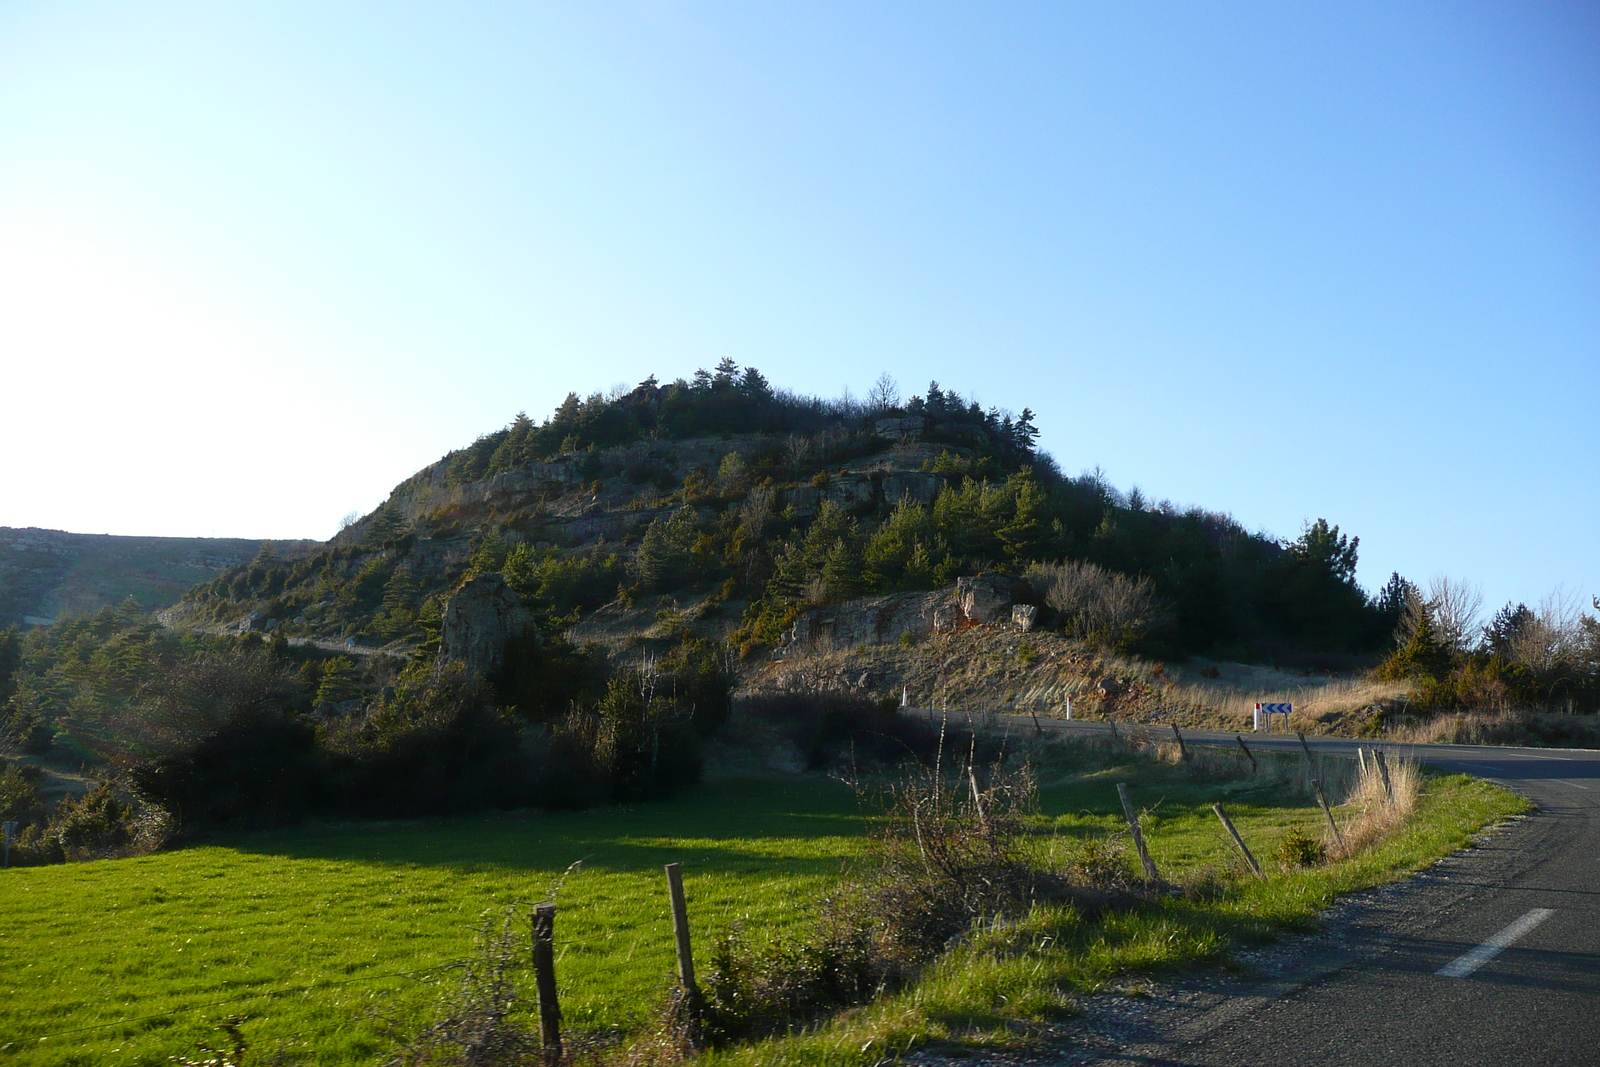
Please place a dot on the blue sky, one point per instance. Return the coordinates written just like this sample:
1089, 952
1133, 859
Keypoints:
259, 262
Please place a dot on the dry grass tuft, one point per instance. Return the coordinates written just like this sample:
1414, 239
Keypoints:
1503, 728
1383, 809
1226, 702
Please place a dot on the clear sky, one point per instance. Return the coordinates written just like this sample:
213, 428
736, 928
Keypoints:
261, 261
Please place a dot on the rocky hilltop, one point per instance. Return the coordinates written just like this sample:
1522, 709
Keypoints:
720, 509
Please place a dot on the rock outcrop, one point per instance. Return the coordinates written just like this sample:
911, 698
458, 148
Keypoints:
480, 619
984, 600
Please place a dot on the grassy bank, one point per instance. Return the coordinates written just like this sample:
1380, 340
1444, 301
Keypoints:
1004, 985
314, 937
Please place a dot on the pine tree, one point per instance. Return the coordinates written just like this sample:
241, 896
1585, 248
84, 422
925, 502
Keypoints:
754, 385
664, 551
1322, 548
1024, 431
398, 613
1425, 655
1023, 534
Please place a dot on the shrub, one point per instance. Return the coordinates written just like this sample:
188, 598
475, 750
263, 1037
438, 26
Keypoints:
258, 768
482, 1021
952, 853
638, 741
435, 742
95, 826
1097, 605
1298, 850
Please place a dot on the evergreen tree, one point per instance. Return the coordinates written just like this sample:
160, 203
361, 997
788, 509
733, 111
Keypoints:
398, 611
1024, 431
754, 385
386, 527
341, 681
1323, 549
1025, 531
1500, 635
665, 550
1425, 655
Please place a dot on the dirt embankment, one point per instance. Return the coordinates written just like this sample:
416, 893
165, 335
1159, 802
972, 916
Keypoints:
999, 668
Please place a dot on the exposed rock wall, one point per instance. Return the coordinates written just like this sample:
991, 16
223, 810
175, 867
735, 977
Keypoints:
481, 618
983, 600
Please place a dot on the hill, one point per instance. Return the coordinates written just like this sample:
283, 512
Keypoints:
723, 508
46, 574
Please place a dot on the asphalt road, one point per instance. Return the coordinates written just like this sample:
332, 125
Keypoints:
1421, 981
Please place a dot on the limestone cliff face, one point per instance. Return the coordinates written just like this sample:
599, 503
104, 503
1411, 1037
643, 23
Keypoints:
984, 600
481, 618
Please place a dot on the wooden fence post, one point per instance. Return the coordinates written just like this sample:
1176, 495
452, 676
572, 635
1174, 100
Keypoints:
544, 978
1316, 783
1361, 758
1138, 834
680, 927
1227, 824
1383, 772
1311, 763
1248, 754
1183, 750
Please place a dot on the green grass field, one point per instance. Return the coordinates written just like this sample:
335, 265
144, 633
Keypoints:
321, 938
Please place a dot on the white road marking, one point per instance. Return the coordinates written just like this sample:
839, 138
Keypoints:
1468, 962
1574, 785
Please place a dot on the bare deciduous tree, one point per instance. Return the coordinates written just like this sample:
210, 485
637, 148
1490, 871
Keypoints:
1555, 635
796, 448
885, 394
1453, 604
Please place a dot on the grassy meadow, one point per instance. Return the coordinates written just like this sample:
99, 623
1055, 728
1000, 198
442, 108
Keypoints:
322, 939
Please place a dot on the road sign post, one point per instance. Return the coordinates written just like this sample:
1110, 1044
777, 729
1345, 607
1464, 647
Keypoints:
1265, 712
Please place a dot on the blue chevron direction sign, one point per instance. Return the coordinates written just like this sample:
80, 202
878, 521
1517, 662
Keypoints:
1267, 711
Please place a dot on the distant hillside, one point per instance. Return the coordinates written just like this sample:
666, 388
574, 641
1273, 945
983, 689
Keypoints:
724, 508
46, 574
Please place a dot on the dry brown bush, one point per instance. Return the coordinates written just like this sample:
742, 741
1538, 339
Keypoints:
1383, 811
1097, 605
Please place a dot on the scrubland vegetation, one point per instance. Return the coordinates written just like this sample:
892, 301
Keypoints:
1525, 676
753, 519
179, 731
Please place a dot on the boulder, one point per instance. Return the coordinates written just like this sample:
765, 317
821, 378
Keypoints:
480, 619
1022, 616
986, 598
908, 429
852, 491
916, 486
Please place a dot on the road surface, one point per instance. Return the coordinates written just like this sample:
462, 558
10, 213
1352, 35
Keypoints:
1491, 958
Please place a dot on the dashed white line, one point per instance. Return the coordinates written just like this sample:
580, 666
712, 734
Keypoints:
1468, 962
1574, 785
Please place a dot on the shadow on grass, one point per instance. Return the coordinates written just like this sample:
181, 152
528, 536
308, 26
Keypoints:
811, 823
